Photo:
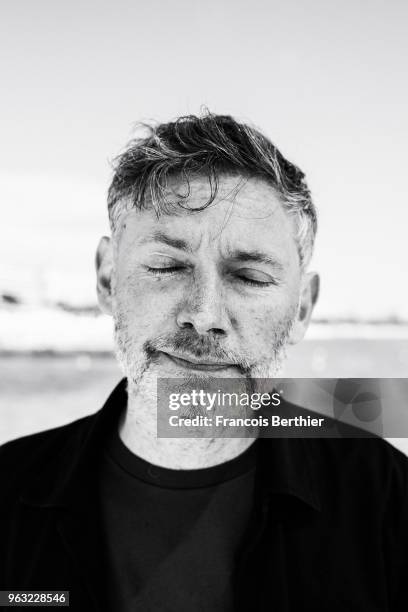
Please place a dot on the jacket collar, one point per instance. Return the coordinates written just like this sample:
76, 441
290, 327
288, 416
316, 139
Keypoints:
76, 449
287, 466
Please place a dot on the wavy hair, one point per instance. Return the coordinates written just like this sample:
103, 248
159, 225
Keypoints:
209, 145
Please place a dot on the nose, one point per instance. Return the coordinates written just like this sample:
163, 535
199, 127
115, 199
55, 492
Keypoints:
203, 308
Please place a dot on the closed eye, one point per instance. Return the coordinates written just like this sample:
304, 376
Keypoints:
254, 277
160, 271
256, 283
164, 270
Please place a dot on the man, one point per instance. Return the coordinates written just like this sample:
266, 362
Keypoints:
206, 276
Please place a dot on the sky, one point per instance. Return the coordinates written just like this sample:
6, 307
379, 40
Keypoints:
325, 80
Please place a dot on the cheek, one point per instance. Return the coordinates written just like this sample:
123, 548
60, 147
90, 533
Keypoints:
142, 305
256, 327
261, 327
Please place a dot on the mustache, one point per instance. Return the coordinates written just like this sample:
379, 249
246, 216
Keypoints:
192, 344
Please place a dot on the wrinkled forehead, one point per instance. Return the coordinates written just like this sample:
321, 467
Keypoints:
245, 212
243, 192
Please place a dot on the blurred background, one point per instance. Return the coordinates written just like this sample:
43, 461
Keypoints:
325, 81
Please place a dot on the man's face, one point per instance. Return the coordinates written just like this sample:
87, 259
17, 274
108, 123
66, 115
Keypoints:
212, 292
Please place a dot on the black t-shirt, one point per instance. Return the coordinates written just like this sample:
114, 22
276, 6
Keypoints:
172, 535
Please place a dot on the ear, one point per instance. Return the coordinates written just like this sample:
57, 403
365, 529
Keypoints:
308, 298
104, 270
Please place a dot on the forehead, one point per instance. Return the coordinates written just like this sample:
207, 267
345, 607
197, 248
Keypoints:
246, 212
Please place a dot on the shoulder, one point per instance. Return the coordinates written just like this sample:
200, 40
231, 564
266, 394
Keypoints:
23, 458
371, 453
25, 446
348, 451
365, 468
51, 456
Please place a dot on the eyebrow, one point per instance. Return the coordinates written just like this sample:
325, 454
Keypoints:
176, 243
238, 256
255, 256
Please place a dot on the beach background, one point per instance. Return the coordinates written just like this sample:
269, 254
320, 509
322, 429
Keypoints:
325, 81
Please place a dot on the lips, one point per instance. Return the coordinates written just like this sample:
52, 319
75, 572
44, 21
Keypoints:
197, 365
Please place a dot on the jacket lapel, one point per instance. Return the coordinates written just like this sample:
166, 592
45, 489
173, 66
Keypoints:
68, 485
80, 534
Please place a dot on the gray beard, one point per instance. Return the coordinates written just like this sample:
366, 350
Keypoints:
135, 361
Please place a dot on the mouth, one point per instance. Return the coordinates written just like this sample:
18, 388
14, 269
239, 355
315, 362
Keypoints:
191, 364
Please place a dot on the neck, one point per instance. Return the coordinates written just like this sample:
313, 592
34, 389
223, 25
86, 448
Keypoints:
138, 431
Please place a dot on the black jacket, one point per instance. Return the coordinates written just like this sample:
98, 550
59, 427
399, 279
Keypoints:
329, 529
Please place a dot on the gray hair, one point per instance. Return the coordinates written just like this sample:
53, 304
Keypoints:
208, 145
